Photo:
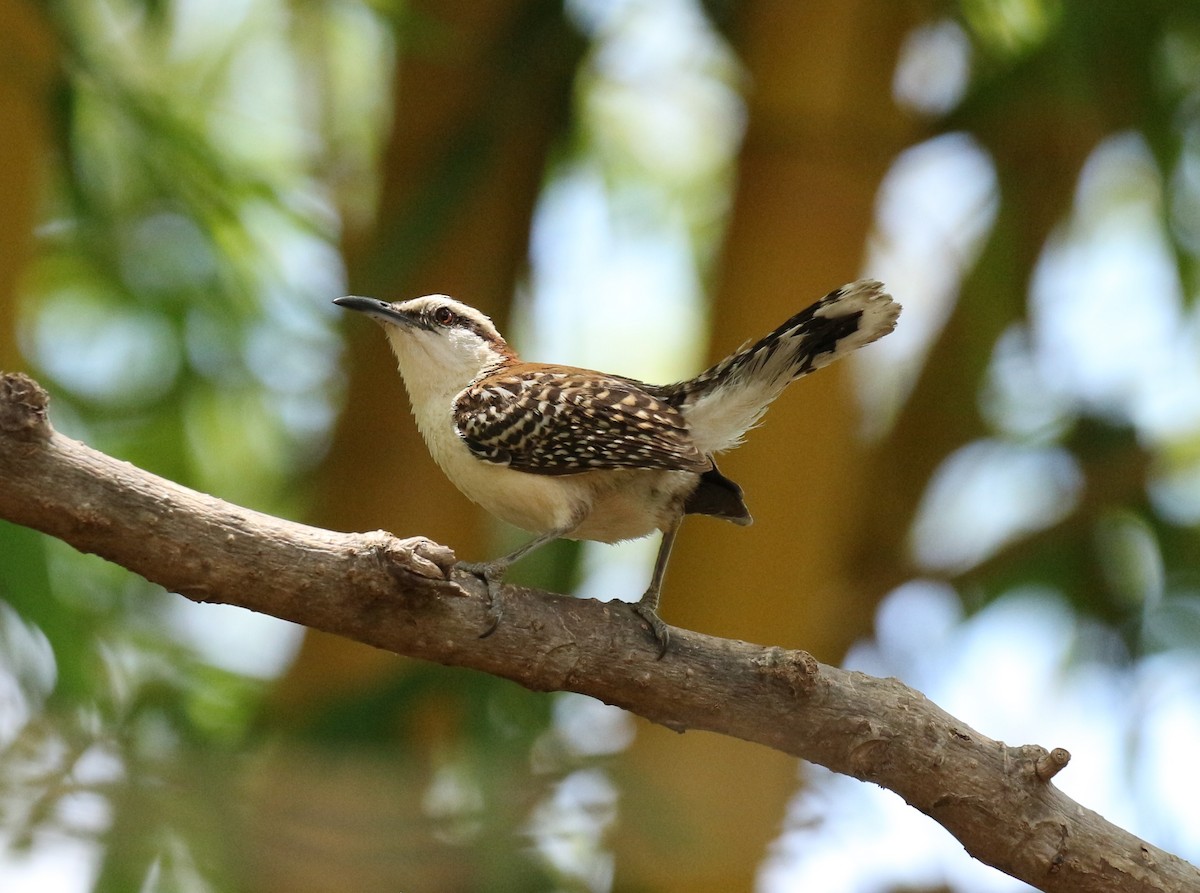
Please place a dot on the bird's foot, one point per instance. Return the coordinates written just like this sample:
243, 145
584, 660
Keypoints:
492, 574
658, 629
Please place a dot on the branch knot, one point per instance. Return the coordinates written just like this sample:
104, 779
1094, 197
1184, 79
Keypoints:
796, 669
1049, 764
23, 405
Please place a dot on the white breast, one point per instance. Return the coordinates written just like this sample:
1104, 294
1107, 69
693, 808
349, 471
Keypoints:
533, 502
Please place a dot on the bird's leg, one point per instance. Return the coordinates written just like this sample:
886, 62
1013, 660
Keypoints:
647, 606
492, 573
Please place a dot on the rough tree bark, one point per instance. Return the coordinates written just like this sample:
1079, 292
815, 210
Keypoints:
406, 597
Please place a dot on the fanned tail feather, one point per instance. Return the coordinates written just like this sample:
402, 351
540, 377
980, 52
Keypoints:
722, 403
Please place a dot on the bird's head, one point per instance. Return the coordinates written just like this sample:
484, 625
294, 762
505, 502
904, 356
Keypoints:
440, 343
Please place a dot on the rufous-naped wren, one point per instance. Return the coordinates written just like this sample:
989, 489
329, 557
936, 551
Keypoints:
567, 452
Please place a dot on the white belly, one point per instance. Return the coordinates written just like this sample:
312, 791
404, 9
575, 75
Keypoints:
629, 503
616, 504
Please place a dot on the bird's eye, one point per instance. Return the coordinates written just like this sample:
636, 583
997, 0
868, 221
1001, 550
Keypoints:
443, 316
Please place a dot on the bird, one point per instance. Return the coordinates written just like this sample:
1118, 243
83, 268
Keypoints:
566, 452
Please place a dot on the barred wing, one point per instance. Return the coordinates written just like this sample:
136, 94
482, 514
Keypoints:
560, 420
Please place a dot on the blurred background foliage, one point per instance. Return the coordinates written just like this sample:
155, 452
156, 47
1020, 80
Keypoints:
998, 503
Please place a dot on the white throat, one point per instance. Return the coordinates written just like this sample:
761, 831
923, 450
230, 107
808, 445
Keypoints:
437, 365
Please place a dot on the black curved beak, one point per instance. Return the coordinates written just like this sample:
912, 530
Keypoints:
377, 310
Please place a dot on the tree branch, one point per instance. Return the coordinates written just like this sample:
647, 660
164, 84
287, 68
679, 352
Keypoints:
406, 597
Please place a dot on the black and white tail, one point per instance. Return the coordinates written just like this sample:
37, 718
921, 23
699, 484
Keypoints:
722, 403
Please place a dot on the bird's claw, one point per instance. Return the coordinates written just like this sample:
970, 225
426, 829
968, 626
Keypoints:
492, 576
658, 629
